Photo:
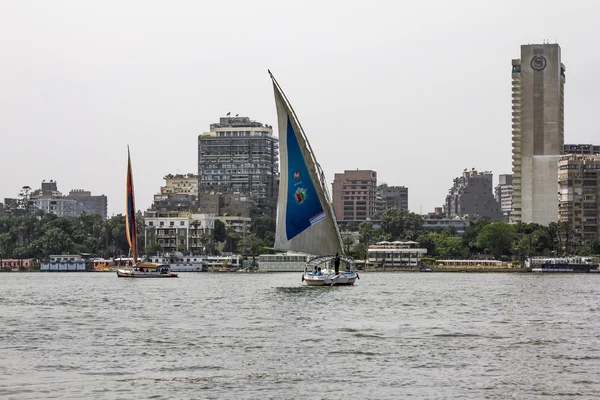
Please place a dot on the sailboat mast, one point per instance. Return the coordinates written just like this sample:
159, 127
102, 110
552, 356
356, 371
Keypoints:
130, 223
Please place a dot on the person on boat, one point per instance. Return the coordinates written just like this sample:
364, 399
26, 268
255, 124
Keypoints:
336, 263
314, 271
318, 271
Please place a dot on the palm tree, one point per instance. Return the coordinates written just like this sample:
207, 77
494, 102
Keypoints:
251, 245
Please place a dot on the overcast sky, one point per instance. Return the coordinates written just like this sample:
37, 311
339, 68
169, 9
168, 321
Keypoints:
415, 90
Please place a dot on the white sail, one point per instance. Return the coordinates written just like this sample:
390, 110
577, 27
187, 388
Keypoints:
305, 219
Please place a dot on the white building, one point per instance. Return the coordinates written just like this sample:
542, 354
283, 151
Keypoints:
180, 231
60, 206
395, 254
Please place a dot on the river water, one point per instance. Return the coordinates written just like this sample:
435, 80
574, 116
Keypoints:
265, 336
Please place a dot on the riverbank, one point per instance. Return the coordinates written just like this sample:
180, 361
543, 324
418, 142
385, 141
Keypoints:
453, 268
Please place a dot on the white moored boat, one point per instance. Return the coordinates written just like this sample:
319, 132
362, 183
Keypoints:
305, 219
141, 269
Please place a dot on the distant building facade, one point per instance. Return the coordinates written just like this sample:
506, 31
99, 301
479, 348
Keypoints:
180, 193
472, 195
538, 79
185, 232
394, 196
240, 225
581, 149
354, 195
88, 203
579, 195
50, 200
504, 193
240, 156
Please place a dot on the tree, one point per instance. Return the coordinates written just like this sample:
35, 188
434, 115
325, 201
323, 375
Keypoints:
154, 249
348, 242
428, 241
220, 231
470, 234
231, 240
401, 224
497, 238
251, 245
262, 226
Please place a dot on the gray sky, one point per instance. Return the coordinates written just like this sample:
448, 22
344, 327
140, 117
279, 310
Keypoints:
416, 90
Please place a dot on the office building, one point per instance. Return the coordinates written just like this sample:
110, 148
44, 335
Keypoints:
240, 156
354, 195
579, 196
538, 79
472, 196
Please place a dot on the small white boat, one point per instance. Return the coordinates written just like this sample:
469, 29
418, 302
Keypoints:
305, 219
138, 269
326, 276
146, 270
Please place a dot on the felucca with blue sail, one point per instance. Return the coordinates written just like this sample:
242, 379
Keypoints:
141, 269
305, 219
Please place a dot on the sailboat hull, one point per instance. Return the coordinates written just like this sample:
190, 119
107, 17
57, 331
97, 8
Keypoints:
342, 279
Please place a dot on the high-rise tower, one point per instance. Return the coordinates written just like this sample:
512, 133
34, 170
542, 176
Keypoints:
538, 79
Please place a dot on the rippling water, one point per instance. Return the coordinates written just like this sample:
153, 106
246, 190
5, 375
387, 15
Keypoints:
261, 336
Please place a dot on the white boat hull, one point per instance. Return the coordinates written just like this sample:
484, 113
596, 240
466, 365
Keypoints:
341, 279
130, 273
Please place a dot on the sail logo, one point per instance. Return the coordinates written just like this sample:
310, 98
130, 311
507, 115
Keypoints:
296, 175
300, 195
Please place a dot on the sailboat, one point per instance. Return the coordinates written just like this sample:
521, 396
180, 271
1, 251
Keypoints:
305, 219
141, 269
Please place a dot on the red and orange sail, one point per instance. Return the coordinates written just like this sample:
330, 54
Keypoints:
130, 226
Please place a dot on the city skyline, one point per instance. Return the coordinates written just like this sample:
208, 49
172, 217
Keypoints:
390, 92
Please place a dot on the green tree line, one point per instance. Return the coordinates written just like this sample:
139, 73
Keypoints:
39, 235
501, 240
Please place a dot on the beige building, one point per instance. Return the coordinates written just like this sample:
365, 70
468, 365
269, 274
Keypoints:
538, 79
354, 195
180, 184
579, 195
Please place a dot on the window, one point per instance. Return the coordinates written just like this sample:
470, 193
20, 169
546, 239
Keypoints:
161, 223
172, 223
182, 223
150, 223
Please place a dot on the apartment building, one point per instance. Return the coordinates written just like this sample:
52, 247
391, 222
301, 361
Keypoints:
354, 195
239, 155
579, 195
472, 195
179, 231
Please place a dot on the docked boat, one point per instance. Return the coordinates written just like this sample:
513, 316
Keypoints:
305, 219
138, 269
564, 264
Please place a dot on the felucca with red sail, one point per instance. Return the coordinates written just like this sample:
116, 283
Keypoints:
138, 269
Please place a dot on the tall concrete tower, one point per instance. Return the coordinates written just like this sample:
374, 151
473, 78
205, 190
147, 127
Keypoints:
538, 80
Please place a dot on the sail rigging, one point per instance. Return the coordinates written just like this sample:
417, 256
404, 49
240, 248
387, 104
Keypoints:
130, 225
305, 219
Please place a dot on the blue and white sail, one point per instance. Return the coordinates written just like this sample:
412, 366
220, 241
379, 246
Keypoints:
305, 218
